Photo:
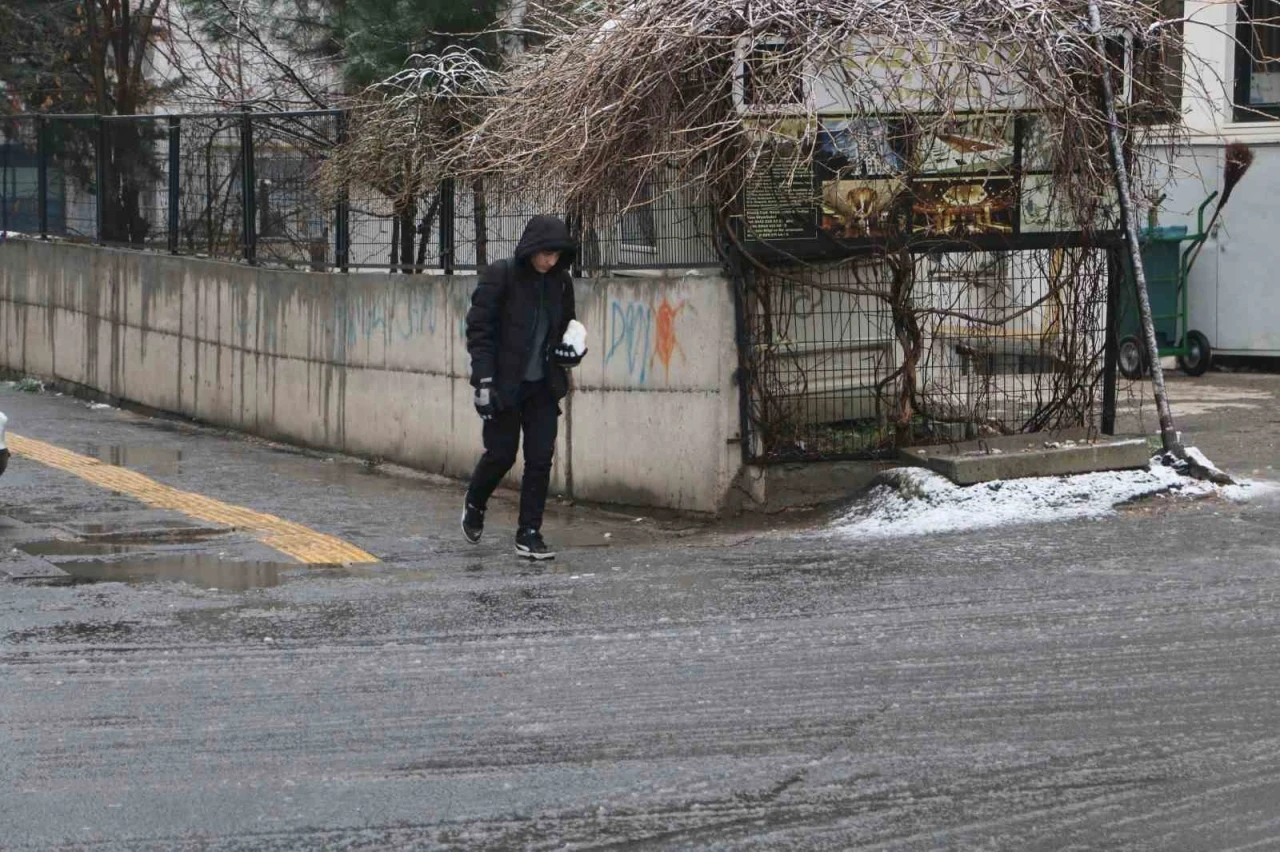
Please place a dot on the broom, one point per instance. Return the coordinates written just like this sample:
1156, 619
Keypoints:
1239, 159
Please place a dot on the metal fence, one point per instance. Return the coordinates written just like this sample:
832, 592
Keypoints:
246, 186
855, 359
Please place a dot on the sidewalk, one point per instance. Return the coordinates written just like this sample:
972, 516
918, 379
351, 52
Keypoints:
397, 514
1234, 418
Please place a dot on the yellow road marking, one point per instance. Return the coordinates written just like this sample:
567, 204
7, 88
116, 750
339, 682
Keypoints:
302, 543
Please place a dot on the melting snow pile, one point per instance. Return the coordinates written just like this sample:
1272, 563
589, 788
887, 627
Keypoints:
914, 501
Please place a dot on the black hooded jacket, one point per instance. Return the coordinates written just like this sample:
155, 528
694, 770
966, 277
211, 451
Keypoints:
504, 311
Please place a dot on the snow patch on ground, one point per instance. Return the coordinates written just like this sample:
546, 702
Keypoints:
1201, 459
914, 501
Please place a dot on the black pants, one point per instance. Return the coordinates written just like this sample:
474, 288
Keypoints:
536, 412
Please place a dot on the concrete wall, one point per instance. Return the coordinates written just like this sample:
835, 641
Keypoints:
377, 365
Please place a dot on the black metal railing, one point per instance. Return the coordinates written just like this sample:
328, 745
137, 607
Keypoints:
247, 186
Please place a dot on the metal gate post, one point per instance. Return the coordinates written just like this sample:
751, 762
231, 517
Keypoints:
100, 175
6, 140
42, 175
175, 181
739, 273
1111, 346
248, 186
342, 212
447, 240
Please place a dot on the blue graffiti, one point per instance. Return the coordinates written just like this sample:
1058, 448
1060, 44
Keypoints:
420, 314
630, 329
364, 317
359, 316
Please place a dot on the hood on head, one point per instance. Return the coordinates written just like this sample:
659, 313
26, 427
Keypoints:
547, 233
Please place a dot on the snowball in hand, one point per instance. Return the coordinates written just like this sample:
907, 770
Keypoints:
575, 337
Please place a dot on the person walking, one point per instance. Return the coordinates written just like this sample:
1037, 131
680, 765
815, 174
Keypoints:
516, 327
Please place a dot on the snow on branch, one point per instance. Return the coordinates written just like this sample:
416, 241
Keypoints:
403, 127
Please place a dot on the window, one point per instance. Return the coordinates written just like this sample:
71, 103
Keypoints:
1157, 69
1257, 94
639, 231
771, 76
1147, 67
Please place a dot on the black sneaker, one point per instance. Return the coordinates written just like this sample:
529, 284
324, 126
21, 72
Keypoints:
529, 545
472, 523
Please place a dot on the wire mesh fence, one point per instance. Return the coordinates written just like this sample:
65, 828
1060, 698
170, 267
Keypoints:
20, 180
291, 223
246, 186
71, 171
857, 359
209, 179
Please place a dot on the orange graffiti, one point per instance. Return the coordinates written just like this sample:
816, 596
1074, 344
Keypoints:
665, 343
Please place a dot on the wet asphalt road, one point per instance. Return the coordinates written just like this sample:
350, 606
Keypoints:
1106, 684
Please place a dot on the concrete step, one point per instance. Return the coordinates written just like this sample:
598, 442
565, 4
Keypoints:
1020, 456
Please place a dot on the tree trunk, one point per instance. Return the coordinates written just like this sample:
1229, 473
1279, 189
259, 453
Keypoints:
395, 244
906, 326
481, 216
122, 219
428, 222
408, 232
1168, 434
512, 19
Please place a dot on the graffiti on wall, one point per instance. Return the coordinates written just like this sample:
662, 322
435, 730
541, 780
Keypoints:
363, 316
643, 335
412, 313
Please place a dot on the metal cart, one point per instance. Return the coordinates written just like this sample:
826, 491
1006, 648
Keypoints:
1167, 254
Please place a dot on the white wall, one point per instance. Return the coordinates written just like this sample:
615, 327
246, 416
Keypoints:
1232, 298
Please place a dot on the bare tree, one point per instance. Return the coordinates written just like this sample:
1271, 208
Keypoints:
238, 53
400, 131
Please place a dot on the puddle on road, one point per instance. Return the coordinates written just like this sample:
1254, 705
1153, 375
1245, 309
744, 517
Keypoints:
160, 461
47, 513
207, 572
173, 532
73, 548
78, 632
110, 529
139, 565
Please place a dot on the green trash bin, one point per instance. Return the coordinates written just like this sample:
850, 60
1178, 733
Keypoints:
1162, 262
1166, 253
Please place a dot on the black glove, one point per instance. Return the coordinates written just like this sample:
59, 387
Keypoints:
486, 400
567, 356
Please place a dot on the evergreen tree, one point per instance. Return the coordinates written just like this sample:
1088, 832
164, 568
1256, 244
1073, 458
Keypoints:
366, 40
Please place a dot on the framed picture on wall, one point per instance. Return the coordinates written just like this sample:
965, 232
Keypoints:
966, 145
957, 208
